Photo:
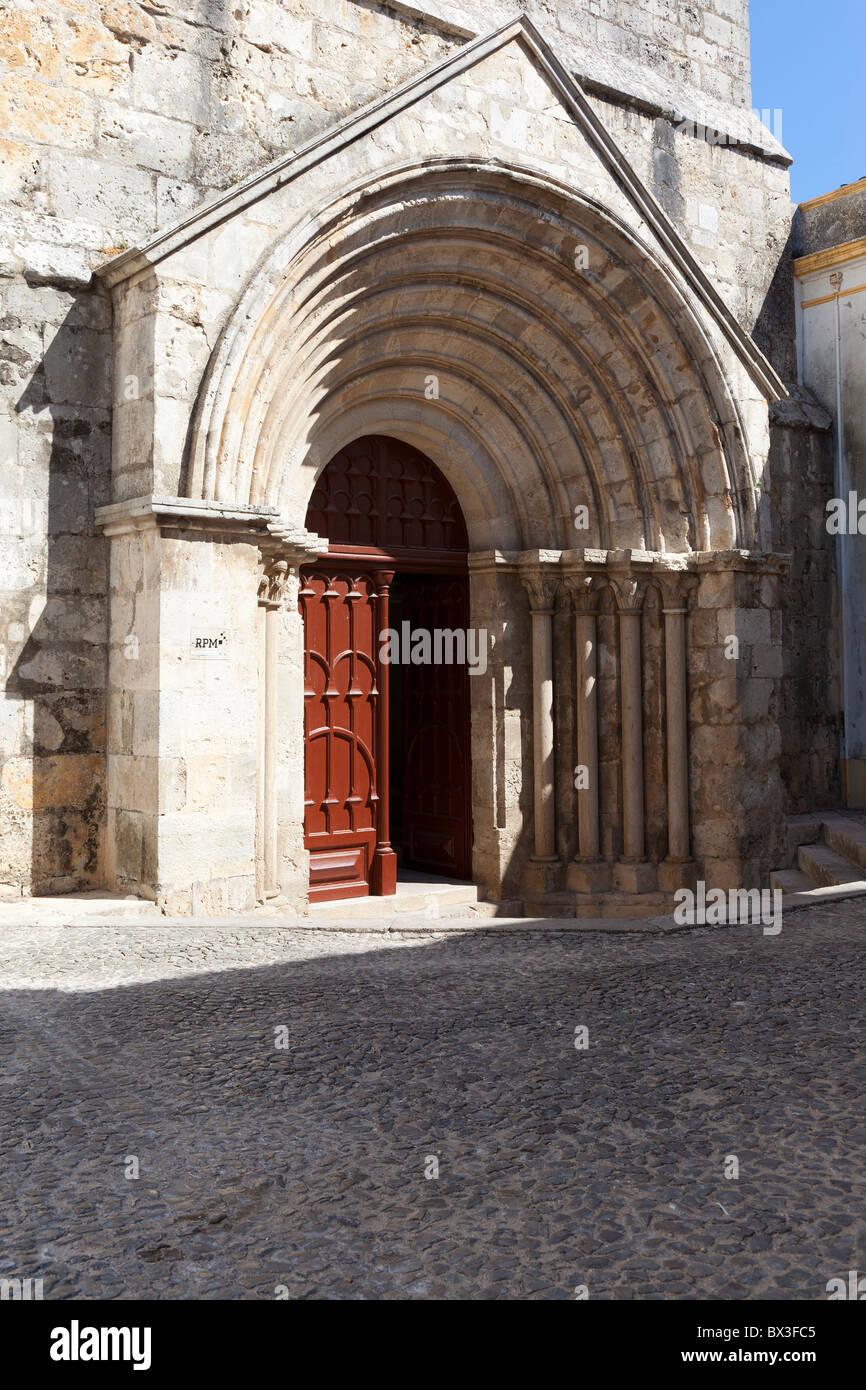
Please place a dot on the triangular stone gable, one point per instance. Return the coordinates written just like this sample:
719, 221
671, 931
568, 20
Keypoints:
504, 95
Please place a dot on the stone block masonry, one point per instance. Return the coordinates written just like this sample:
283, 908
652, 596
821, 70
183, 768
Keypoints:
113, 121
118, 119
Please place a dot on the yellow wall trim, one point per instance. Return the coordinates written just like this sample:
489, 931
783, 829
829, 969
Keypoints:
825, 298
843, 192
835, 255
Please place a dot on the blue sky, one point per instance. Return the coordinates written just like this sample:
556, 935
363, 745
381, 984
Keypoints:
809, 59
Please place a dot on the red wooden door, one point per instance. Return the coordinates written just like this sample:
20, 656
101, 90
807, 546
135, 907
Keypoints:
340, 811
436, 825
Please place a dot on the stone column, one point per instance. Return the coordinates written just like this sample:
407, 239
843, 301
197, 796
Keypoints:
272, 587
633, 874
541, 585
260, 746
678, 869
282, 555
587, 873
383, 870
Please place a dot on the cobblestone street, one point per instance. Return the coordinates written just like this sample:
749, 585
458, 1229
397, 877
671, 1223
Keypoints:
558, 1166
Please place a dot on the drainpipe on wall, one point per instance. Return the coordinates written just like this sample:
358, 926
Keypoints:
841, 549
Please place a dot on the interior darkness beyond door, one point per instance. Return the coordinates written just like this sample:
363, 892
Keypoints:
429, 733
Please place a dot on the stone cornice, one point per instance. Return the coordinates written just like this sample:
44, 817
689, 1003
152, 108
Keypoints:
157, 512
746, 561
294, 544
614, 563
490, 561
858, 186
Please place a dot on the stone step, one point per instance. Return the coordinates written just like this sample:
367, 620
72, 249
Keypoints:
847, 838
826, 868
434, 898
78, 908
598, 905
791, 881
802, 830
829, 850
829, 893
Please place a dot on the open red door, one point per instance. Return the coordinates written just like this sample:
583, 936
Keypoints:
340, 801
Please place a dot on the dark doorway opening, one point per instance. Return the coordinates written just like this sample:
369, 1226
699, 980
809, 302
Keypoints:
429, 726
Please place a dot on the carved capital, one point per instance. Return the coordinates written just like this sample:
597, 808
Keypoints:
584, 591
676, 589
629, 593
273, 581
541, 584
282, 552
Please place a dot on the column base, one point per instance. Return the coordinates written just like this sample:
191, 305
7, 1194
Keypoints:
675, 874
635, 876
854, 782
543, 875
383, 873
589, 876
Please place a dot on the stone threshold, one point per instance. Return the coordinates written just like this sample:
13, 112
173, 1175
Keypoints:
91, 908
104, 909
493, 926
101, 909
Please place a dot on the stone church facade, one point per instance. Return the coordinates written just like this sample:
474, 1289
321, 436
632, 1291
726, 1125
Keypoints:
319, 312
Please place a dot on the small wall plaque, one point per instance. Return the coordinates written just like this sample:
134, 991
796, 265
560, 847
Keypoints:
210, 646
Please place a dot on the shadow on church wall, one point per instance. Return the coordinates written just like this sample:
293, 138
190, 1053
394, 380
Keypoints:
800, 467
53, 779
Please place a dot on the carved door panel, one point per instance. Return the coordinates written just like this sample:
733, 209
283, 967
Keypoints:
436, 826
340, 792
382, 493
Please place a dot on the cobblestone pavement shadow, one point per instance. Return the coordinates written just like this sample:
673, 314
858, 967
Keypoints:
302, 1171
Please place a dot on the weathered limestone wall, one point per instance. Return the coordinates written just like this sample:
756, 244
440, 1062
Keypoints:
831, 322
501, 730
660, 47
133, 711
183, 727
732, 206
801, 470
208, 725
55, 436
737, 795
116, 119
831, 220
